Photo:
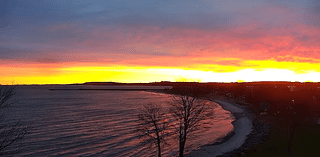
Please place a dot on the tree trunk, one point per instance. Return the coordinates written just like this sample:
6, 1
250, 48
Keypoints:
182, 143
159, 145
181, 148
159, 149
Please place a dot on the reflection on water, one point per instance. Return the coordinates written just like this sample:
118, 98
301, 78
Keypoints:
93, 123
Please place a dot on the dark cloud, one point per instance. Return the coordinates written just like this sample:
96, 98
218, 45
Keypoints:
312, 13
22, 55
4, 18
110, 12
48, 29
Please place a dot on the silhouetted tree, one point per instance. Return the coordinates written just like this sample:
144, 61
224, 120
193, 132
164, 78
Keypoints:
189, 113
154, 126
9, 133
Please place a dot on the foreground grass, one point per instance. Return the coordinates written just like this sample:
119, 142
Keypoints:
305, 142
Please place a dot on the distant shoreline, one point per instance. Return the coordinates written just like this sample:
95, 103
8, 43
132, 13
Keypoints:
151, 90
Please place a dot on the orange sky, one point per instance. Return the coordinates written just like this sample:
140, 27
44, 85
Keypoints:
159, 41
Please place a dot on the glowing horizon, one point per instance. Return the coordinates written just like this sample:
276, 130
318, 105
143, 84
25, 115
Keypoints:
145, 74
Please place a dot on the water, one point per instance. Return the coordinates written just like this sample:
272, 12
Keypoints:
94, 123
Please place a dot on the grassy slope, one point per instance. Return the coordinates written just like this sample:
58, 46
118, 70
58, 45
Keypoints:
305, 142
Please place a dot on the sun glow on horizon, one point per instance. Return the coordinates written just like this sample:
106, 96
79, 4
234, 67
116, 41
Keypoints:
135, 74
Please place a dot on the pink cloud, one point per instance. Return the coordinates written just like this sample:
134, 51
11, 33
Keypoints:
176, 46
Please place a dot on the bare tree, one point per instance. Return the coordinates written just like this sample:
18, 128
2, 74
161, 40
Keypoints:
189, 113
9, 133
154, 126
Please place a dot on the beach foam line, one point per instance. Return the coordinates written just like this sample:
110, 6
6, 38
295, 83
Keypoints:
242, 128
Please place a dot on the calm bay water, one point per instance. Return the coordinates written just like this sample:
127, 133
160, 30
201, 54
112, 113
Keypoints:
94, 123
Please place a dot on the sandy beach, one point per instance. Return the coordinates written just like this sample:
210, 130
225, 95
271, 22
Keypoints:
242, 128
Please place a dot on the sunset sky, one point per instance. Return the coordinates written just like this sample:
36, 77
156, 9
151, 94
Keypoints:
76, 41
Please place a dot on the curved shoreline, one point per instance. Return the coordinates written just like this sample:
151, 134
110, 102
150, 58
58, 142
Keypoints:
242, 128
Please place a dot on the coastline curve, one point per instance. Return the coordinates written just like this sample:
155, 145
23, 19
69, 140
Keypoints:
242, 128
